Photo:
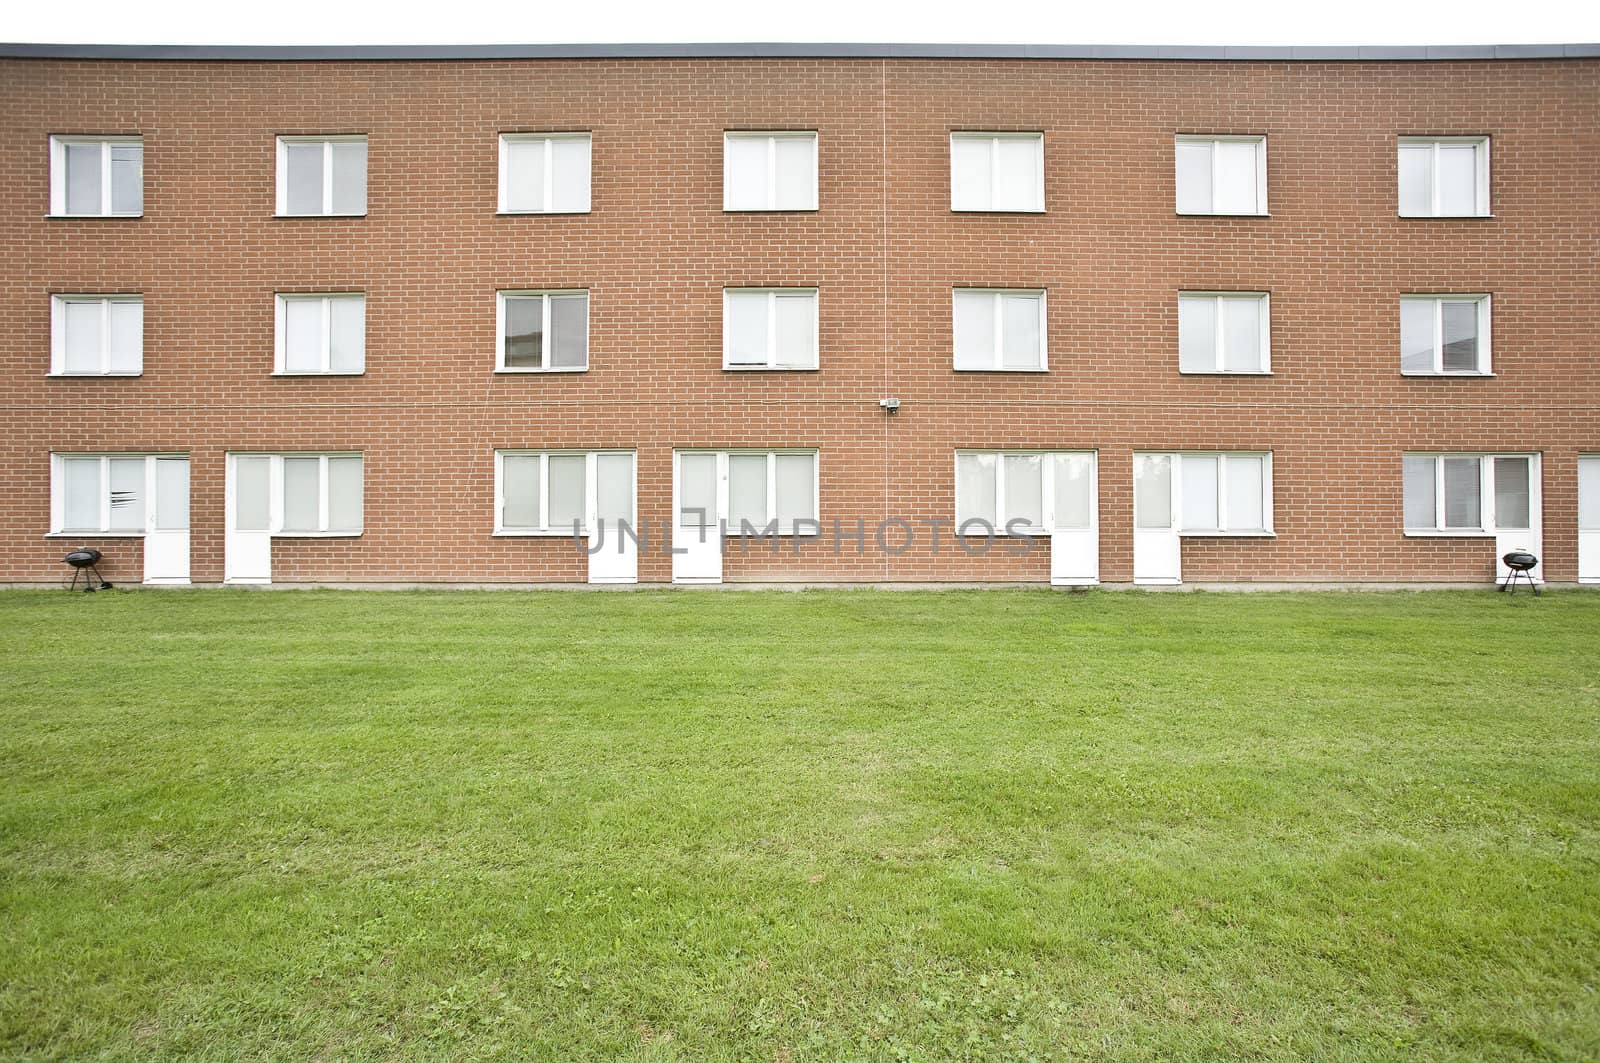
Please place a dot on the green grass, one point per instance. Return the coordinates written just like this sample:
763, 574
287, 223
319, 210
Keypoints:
822, 825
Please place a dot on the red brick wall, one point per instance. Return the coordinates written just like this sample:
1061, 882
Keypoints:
884, 250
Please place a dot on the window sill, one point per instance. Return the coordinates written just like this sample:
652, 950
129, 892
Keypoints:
995, 210
1446, 217
521, 213
1037, 369
771, 368
530, 533
771, 210
513, 370
93, 376
1224, 372
1445, 376
97, 534
1183, 534
287, 373
315, 534
1450, 533
1222, 214
363, 214
94, 217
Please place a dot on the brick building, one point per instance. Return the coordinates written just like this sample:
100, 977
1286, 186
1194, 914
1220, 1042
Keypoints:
405, 314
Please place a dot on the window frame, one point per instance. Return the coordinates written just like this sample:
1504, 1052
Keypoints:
544, 295
58, 173
1047, 490
58, 508
772, 365
275, 496
772, 136
1485, 325
1259, 139
1264, 308
720, 519
58, 333
327, 141
591, 489
548, 139
1481, 142
281, 333
1268, 491
994, 170
999, 331
1487, 527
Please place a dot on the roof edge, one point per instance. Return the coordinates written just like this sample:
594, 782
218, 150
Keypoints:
296, 52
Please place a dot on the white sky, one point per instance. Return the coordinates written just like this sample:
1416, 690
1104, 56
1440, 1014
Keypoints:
898, 21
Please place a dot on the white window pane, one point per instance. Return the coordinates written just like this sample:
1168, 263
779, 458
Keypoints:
797, 332
1020, 331
797, 168
970, 184
344, 494
975, 489
745, 173
519, 490
796, 488
1511, 493
747, 490
1152, 490
524, 326
569, 321
570, 160
1241, 335
697, 490
1460, 322
1416, 180
1197, 333
304, 164
1199, 475
127, 494
172, 494
1589, 494
974, 330
83, 164
1416, 335
127, 178
747, 328
300, 494
1245, 491
1236, 177
127, 336
1421, 498
1024, 489
614, 491
80, 494
1463, 493
85, 336
1458, 179
1194, 177
1017, 179
252, 506
303, 335
349, 335
350, 177
1073, 473
567, 475
524, 178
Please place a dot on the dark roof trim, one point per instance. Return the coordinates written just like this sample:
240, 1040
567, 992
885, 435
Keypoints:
844, 51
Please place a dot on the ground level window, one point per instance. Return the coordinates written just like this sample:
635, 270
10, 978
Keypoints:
1204, 493
1014, 492
1465, 494
563, 492
753, 491
298, 494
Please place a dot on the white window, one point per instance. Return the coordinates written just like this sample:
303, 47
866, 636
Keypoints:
769, 328
97, 177
549, 492
109, 494
999, 329
1221, 175
1010, 491
1224, 332
1444, 177
1204, 492
754, 491
543, 332
298, 494
1442, 334
544, 173
997, 171
1467, 494
96, 335
321, 334
322, 175
769, 171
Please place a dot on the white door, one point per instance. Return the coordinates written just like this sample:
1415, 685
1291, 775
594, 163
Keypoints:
1074, 521
613, 545
1589, 518
1512, 481
700, 492
166, 534
1157, 549
247, 539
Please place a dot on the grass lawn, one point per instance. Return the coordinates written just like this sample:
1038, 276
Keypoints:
794, 826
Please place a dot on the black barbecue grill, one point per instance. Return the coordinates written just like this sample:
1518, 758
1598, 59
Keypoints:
1521, 563
83, 564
